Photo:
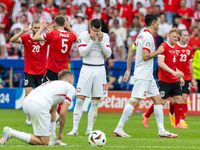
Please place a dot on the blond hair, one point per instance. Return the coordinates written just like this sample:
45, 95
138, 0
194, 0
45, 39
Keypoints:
173, 30
64, 73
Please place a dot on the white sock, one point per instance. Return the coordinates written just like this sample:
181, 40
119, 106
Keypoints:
77, 113
158, 112
53, 130
182, 120
92, 114
127, 112
26, 137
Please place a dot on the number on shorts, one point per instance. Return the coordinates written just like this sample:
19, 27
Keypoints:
189, 85
104, 87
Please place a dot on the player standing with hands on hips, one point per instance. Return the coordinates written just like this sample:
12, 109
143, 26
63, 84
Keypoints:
144, 83
93, 46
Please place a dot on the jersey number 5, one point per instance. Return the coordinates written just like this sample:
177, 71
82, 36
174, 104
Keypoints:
64, 45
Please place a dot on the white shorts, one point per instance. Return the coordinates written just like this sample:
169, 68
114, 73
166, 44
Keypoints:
144, 88
92, 81
41, 118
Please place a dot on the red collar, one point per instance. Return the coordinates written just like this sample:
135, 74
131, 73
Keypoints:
89, 31
147, 31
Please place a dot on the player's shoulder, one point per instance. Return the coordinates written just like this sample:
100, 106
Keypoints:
189, 47
84, 34
105, 35
26, 36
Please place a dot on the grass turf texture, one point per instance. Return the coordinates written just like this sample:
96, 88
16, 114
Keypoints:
142, 138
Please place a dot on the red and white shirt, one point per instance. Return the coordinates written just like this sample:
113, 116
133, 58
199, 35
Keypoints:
27, 13
3, 20
52, 93
171, 61
184, 56
125, 11
51, 10
196, 16
171, 5
89, 11
60, 46
33, 9
35, 54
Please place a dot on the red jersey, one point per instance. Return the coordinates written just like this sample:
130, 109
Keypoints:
34, 55
189, 12
170, 60
171, 5
52, 10
10, 5
69, 10
98, 16
32, 9
194, 42
9, 48
89, 11
60, 46
4, 20
125, 11
184, 56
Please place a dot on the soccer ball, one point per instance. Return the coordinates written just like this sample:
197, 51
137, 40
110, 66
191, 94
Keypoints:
97, 138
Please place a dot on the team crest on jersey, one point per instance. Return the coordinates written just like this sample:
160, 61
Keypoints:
25, 82
41, 42
148, 44
78, 90
162, 93
188, 52
79, 41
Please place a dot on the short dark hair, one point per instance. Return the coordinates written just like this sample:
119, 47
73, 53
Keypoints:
157, 6
177, 16
35, 22
116, 9
60, 20
116, 21
23, 15
64, 73
149, 18
62, 8
96, 23
135, 17
163, 14
39, 5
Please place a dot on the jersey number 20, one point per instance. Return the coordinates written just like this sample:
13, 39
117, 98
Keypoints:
64, 45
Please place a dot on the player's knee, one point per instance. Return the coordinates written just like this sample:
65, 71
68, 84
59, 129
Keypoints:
134, 101
159, 102
178, 99
184, 99
81, 97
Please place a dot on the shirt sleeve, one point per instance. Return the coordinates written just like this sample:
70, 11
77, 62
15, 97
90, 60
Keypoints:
47, 36
191, 55
74, 38
22, 39
163, 53
147, 44
70, 94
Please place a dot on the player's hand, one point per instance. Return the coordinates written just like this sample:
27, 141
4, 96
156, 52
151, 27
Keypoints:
126, 76
43, 25
194, 83
92, 36
160, 49
49, 26
67, 25
182, 82
26, 27
60, 135
100, 36
178, 74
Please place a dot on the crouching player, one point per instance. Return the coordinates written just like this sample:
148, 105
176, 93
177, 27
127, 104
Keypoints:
38, 105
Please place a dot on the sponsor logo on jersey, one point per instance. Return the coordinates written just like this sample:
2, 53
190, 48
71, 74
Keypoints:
162, 93
188, 52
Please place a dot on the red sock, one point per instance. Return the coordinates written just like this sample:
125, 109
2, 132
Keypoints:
177, 110
150, 111
59, 107
171, 108
184, 111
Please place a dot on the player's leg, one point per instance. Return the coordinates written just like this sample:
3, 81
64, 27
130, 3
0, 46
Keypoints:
186, 92
92, 114
171, 111
139, 91
29, 83
145, 116
177, 95
99, 89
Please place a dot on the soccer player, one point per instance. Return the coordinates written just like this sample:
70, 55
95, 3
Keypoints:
144, 83
184, 64
38, 104
34, 55
168, 79
93, 46
60, 46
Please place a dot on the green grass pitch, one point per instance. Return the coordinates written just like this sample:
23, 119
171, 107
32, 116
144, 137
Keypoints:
142, 138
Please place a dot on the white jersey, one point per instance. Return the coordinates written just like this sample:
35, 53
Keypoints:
52, 93
96, 55
144, 69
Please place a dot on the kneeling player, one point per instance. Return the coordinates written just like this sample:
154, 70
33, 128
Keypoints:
38, 105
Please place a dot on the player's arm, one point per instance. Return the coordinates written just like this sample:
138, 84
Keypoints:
67, 26
131, 53
105, 46
62, 118
84, 48
15, 38
38, 36
146, 55
162, 65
